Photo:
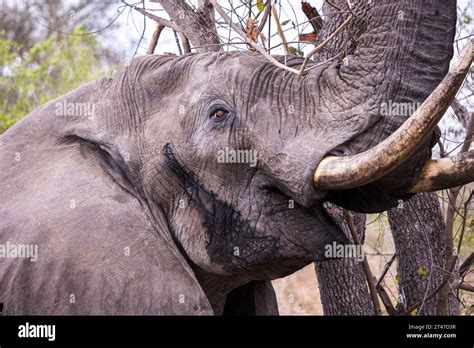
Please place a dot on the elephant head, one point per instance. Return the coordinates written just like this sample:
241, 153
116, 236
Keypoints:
231, 157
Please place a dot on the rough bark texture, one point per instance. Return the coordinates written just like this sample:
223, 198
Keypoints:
345, 42
338, 279
447, 302
342, 282
418, 231
197, 24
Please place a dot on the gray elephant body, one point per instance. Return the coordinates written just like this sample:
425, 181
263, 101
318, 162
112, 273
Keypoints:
105, 246
97, 251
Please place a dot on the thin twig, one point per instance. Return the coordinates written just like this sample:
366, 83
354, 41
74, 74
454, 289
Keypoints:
365, 264
463, 228
466, 264
334, 6
176, 39
386, 268
263, 21
154, 39
381, 290
337, 56
185, 42
386, 301
159, 20
440, 286
466, 287
239, 31
323, 44
348, 2
280, 30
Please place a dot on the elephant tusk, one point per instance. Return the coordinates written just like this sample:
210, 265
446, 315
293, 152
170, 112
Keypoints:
446, 173
336, 173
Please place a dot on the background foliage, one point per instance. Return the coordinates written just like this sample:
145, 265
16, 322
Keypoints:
48, 69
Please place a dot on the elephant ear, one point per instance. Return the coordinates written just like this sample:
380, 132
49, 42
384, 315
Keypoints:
98, 249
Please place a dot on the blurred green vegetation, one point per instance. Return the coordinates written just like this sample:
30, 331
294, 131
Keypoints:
50, 68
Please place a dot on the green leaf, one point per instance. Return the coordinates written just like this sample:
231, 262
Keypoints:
285, 22
41, 74
422, 272
260, 5
296, 52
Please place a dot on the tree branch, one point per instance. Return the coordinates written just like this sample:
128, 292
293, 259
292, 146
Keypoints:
178, 45
185, 42
466, 287
381, 290
445, 283
280, 30
385, 270
239, 31
154, 39
323, 44
159, 20
265, 16
199, 26
466, 264
313, 16
462, 114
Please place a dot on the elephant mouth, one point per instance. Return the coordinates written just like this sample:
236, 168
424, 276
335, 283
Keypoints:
264, 227
309, 226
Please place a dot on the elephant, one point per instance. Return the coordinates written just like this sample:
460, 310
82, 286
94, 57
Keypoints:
142, 194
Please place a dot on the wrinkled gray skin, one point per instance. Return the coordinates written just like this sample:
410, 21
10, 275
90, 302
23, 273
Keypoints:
132, 212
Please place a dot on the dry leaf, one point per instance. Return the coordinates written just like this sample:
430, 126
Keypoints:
311, 37
251, 29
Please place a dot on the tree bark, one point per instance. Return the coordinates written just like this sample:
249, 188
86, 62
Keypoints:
198, 25
418, 231
408, 224
342, 282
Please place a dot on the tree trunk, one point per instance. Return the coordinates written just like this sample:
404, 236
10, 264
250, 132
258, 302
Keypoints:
448, 302
418, 231
198, 25
342, 282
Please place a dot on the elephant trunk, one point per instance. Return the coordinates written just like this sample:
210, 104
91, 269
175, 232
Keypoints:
368, 166
399, 56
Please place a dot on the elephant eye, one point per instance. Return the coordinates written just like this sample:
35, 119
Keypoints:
219, 114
